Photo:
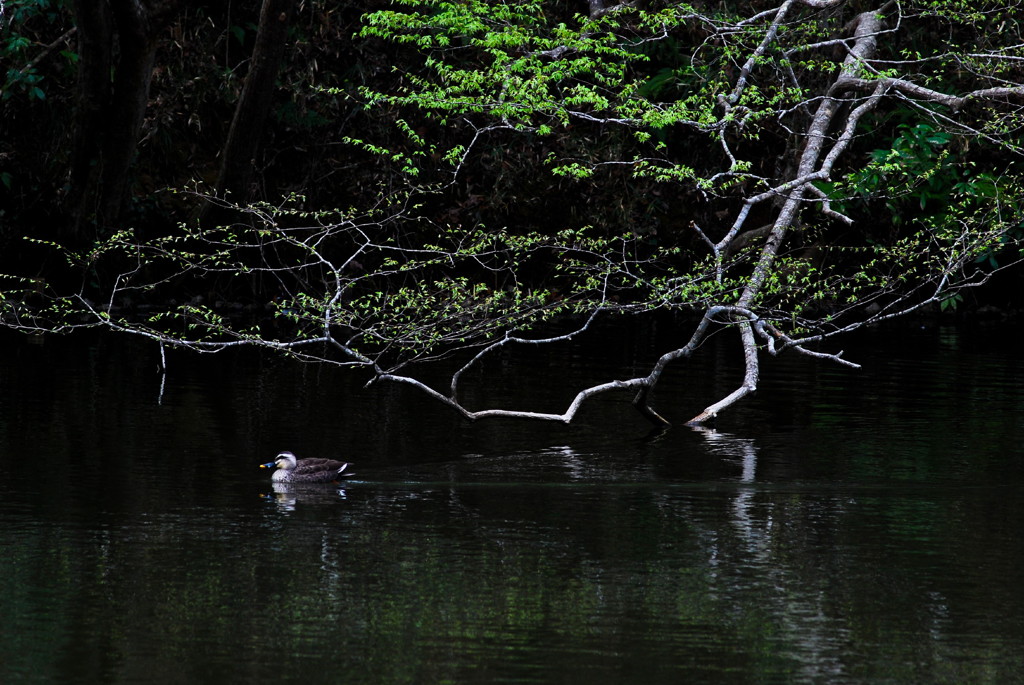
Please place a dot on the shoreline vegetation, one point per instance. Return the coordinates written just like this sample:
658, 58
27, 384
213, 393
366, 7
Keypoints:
401, 182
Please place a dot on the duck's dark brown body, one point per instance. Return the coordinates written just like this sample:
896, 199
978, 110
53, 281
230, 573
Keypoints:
292, 470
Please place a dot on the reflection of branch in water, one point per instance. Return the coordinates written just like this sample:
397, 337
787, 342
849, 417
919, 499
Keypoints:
571, 462
801, 614
743, 449
658, 434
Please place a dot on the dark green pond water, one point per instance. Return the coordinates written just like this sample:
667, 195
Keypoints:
841, 527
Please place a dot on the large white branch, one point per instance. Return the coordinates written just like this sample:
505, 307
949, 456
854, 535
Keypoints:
751, 375
866, 30
955, 102
565, 417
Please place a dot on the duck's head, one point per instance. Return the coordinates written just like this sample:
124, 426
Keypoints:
285, 460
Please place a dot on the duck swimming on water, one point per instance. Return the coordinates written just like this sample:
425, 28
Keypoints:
292, 470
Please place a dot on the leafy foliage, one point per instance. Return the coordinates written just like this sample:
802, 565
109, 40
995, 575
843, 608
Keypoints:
20, 19
793, 172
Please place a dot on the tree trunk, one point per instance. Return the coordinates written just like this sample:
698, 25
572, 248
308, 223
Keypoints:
119, 38
237, 158
95, 25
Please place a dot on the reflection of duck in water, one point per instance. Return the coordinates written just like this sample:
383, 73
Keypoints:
292, 470
286, 496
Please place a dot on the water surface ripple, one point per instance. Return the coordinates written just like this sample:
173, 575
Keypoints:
855, 527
